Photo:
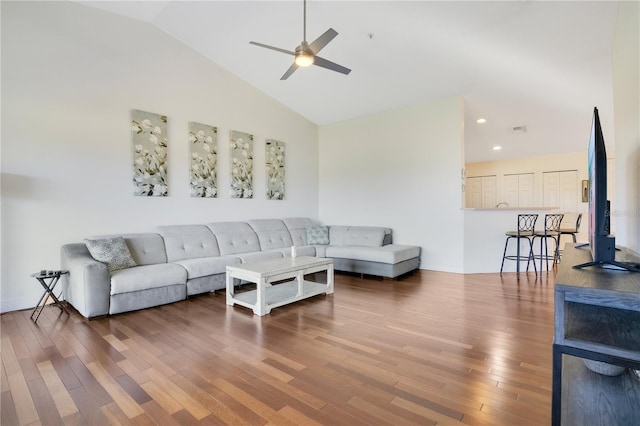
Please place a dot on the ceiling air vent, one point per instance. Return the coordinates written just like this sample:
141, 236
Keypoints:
517, 129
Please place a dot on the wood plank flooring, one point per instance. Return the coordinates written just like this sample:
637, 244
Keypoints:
430, 348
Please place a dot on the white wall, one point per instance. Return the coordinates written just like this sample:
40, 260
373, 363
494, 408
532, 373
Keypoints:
70, 76
626, 96
399, 169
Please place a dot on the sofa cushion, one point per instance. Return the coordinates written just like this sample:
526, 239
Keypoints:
234, 237
300, 251
391, 253
337, 235
364, 236
303, 251
321, 250
147, 249
147, 276
356, 236
272, 233
259, 255
297, 227
188, 242
317, 235
203, 266
112, 251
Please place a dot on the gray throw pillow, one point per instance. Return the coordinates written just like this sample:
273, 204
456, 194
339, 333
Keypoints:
318, 235
112, 251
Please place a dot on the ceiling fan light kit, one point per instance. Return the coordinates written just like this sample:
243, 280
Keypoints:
304, 56
307, 54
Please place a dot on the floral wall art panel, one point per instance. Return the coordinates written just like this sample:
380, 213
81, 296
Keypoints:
275, 169
241, 145
203, 140
149, 135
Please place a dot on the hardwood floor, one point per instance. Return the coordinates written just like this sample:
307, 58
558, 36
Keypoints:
430, 348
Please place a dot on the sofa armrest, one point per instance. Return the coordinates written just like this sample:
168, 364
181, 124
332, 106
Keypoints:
87, 286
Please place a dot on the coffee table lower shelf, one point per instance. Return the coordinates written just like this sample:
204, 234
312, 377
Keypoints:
280, 294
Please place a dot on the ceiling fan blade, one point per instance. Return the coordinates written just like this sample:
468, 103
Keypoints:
323, 40
321, 62
288, 52
290, 71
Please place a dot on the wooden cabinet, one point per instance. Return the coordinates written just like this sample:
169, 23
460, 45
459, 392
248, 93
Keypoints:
597, 317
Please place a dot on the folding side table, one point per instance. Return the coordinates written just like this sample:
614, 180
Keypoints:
48, 280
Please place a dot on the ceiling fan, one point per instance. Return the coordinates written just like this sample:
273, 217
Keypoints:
306, 53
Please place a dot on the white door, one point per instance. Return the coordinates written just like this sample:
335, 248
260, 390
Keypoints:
560, 189
550, 189
480, 192
488, 192
510, 190
518, 190
473, 193
569, 191
526, 196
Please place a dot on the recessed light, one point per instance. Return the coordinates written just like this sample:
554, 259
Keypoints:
481, 120
497, 148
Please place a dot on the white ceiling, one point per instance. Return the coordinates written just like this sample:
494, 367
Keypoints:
541, 64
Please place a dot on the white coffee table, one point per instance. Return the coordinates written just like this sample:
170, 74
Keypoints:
267, 296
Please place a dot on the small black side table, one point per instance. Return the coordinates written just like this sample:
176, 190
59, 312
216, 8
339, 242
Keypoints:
48, 280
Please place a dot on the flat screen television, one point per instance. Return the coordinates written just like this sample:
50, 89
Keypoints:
601, 243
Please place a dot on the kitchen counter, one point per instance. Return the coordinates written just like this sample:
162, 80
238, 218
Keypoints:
513, 209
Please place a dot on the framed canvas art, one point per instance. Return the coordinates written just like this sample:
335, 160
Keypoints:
149, 137
241, 145
203, 140
275, 169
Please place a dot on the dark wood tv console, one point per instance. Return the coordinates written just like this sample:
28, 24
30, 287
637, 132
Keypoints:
597, 317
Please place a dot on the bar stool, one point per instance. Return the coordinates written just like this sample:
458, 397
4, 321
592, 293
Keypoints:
570, 230
551, 230
526, 227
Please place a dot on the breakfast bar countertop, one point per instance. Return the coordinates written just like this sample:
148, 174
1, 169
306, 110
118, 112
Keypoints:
512, 209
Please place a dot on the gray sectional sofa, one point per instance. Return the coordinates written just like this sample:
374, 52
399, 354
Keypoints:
184, 260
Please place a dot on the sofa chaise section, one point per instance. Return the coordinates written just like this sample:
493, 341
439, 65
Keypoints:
369, 250
390, 261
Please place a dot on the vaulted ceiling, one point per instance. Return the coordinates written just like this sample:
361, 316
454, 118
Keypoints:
539, 64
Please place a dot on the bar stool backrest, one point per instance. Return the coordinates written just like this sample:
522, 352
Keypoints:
572, 228
552, 222
578, 222
526, 223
